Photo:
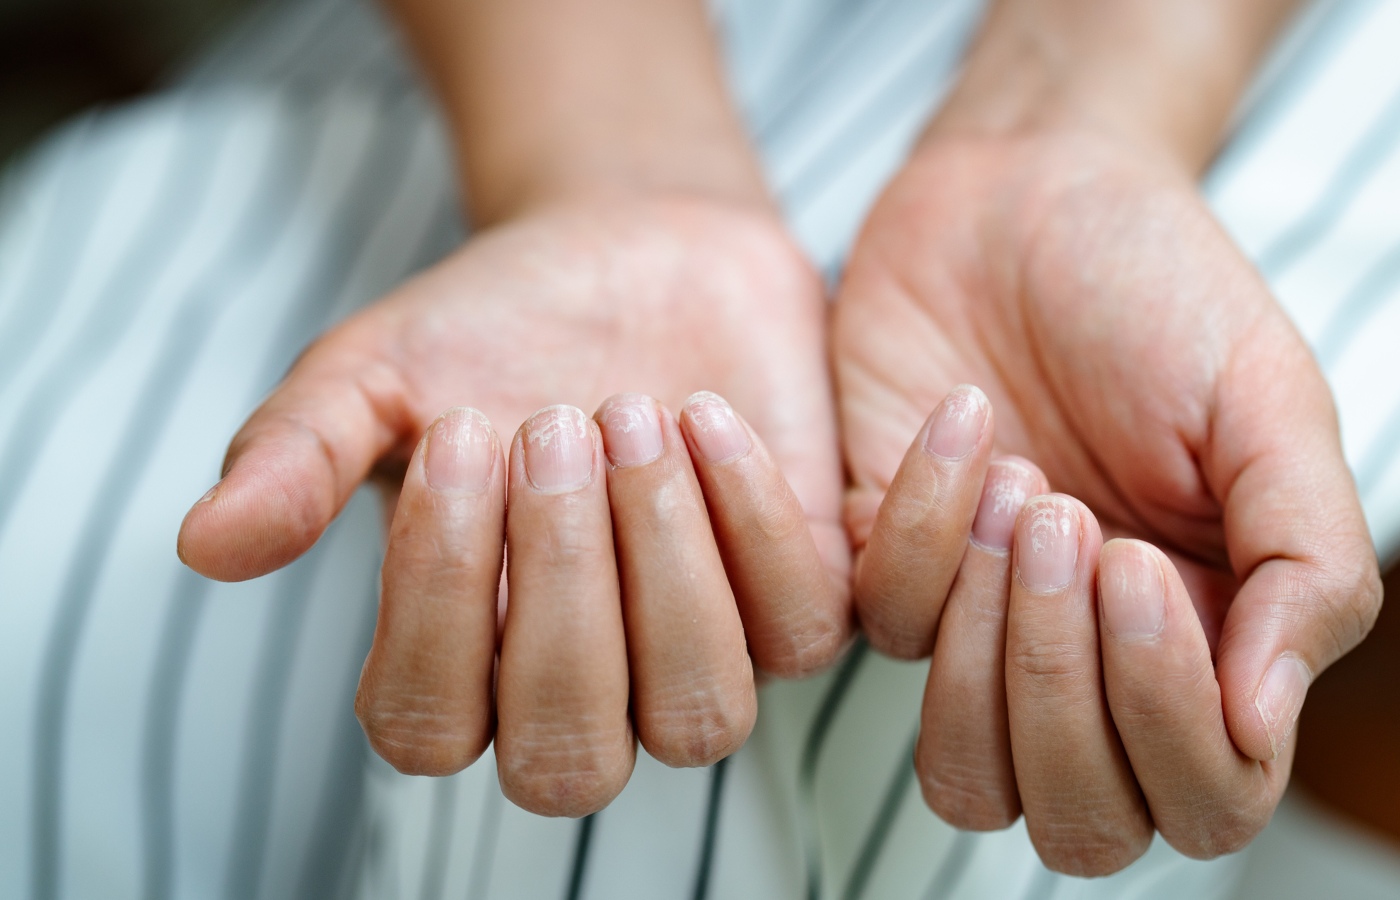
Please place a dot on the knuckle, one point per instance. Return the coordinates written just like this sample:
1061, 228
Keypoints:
562, 774
888, 624
418, 742
968, 797
1090, 851
1225, 829
1142, 704
1052, 665
1343, 599
806, 648
697, 730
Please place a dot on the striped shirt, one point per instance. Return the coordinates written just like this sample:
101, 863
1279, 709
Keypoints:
162, 263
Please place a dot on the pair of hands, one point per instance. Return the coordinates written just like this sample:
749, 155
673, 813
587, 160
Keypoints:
1125, 346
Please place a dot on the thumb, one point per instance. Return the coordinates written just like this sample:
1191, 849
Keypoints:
295, 463
1296, 536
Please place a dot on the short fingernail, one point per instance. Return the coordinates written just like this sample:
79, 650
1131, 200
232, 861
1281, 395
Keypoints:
1280, 699
716, 429
1005, 491
558, 449
1048, 546
1130, 591
957, 423
631, 431
461, 451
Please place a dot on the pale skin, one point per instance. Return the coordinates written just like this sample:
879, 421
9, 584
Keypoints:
1044, 242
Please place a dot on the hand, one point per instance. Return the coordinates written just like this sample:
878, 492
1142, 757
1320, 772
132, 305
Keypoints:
1130, 350
569, 303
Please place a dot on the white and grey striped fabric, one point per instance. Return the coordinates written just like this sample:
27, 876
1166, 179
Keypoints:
161, 264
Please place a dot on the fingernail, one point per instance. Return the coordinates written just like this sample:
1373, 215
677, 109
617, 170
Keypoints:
957, 423
558, 449
1005, 491
209, 494
1131, 593
1280, 699
461, 452
631, 431
717, 430
1048, 547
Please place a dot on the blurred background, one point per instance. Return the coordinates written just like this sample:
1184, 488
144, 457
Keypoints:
61, 56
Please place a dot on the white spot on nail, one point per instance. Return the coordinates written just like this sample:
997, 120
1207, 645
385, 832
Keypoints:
710, 412
1047, 521
564, 424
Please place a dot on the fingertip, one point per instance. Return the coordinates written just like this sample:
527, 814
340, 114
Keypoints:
1009, 483
960, 424
243, 529
1132, 590
1057, 539
631, 429
713, 428
459, 453
557, 450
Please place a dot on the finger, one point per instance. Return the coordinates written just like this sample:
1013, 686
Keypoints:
963, 755
425, 691
295, 463
1206, 797
1083, 808
795, 615
1297, 540
564, 744
692, 683
921, 530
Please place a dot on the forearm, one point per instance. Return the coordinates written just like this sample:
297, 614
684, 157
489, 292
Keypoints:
1163, 74
551, 98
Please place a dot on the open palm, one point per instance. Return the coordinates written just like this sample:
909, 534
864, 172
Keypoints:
1132, 352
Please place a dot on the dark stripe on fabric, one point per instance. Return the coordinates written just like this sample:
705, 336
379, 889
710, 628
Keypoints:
316, 19
1368, 154
64, 240
378, 178
811, 756
578, 870
156, 401
333, 857
488, 829
952, 867
263, 722
444, 815
180, 198
1328, 37
347, 884
804, 188
256, 239
880, 828
1378, 285
709, 834
185, 611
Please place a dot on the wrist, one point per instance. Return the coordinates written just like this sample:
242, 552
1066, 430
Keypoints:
554, 99
502, 184
1159, 77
